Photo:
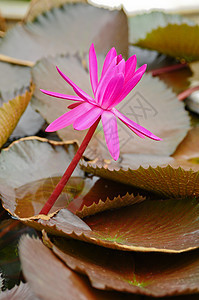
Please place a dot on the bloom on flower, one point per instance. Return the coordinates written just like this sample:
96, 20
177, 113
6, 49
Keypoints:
117, 80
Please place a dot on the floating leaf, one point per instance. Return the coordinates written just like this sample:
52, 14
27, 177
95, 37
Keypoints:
117, 202
10, 232
171, 226
151, 104
166, 181
27, 200
149, 274
22, 292
161, 65
55, 28
30, 170
50, 279
155, 225
34, 158
189, 148
11, 112
68, 29
158, 31
38, 7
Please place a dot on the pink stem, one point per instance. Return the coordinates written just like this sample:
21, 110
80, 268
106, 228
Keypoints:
60, 186
168, 69
187, 92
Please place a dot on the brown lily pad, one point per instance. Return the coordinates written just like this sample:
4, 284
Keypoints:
166, 181
178, 179
34, 158
158, 31
188, 150
161, 65
168, 226
149, 274
38, 164
38, 7
11, 112
10, 268
56, 29
151, 104
108, 204
49, 278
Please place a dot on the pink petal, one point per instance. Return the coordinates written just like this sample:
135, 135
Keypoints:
109, 57
109, 123
121, 66
134, 126
93, 68
130, 67
76, 89
73, 105
69, 117
104, 81
137, 132
119, 58
113, 90
131, 84
62, 96
88, 119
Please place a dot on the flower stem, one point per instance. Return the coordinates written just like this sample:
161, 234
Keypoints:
167, 69
187, 92
60, 186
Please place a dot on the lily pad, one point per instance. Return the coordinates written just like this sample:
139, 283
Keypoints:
10, 268
158, 31
11, 112
38, 7
168, 226
166, 181
149, 274
68, 29
38, 164
179, 179
50, 279
164, 67
151, 104
34, 158
100, 206
36, 161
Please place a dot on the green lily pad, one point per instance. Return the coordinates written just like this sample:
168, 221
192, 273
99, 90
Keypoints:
151, 104
149, 274
158, 31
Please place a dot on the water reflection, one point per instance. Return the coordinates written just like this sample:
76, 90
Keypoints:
27, 200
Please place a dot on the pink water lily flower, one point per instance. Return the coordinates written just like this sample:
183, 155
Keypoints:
117, 80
